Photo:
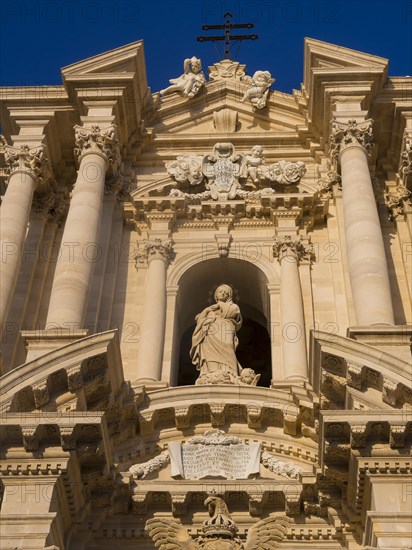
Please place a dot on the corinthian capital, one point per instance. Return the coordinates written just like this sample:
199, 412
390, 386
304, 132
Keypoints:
27, 159
294, 248
155, 249
100, 141
350, 133
406, 155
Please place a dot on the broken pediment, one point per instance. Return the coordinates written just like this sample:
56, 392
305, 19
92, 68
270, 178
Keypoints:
219, 109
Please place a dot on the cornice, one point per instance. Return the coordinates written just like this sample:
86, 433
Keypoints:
41, 94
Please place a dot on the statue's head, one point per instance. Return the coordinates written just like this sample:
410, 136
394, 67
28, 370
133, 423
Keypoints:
223, 293
196, 64
257, 150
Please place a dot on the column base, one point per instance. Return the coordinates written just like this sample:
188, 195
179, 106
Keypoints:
41, 342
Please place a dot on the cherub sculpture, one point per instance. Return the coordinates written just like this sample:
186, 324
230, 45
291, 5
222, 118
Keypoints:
219, 532
190, 82
253, 162
259, 90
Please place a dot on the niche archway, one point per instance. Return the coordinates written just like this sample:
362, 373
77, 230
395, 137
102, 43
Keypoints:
195, 292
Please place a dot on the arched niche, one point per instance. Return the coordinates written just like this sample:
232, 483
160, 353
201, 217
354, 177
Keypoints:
194, 291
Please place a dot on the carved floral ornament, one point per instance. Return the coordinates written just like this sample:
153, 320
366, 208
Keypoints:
293, 247
155, 249
101, 141
396, 200
225, 171
350, 133
406, 155
28, 159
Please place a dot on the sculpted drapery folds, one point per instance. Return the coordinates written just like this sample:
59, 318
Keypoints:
214, 343
214, 340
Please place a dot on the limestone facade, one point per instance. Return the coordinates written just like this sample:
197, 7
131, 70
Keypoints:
122, 211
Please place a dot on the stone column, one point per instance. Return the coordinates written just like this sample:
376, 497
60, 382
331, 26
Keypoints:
158, 253
96, 148
368, 270
289, 251
27, 165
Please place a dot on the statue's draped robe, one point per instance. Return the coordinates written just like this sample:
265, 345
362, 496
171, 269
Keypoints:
214, 340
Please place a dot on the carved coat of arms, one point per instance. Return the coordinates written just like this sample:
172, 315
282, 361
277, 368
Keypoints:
223, 169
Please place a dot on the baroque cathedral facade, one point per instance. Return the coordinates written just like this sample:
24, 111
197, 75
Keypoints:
206, 307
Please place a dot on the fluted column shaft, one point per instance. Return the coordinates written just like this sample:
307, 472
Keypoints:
289, 251
367, 264
75, 264
152, 331
27, 165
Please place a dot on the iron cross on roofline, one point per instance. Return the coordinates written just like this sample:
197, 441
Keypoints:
227, 27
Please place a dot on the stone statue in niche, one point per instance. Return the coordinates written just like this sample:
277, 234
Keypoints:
190, 82
214, 343
258, 92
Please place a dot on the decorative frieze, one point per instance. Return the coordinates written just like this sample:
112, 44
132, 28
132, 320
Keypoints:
350, 133
97, 140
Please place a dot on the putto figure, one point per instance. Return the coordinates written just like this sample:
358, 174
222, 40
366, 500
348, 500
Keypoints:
259, 90
254, 162
190, 82
214, 343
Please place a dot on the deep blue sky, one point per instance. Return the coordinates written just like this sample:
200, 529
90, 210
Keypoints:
38, 37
